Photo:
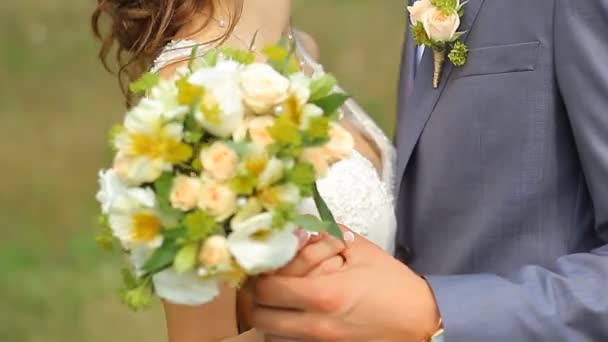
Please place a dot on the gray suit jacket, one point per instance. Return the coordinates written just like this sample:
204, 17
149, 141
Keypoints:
503, 195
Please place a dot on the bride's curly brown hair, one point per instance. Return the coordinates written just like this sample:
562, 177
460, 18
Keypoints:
141, 28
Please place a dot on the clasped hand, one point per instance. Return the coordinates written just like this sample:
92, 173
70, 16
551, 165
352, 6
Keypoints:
334, 291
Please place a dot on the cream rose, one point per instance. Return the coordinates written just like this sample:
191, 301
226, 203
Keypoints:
258, 130
214, 252
220, 161
418, 10
217, 199
185, 192
263, 87
439, 26
341, 143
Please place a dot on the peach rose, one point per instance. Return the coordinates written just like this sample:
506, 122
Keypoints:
439, 26
317, 157
341, 143
215, 252
185, 192
220, 161
418, 10
217, 199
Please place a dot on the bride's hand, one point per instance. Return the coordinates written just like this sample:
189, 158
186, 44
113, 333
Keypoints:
321, 254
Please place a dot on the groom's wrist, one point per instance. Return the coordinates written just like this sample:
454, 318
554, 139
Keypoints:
434, 316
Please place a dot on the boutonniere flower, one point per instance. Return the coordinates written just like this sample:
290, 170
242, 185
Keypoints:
435, 25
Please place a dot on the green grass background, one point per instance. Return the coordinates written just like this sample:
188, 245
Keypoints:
56, 105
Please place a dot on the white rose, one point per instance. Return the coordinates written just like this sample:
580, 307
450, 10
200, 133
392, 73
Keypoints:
218, 200
220, 161
214, 252
418, 10
439, 26
263, 87
184, 288
223, 90
340, 145
185, 192
258, 248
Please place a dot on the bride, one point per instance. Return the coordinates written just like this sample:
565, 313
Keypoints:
159, 35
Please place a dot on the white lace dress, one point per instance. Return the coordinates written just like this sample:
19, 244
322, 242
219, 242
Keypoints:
359, 197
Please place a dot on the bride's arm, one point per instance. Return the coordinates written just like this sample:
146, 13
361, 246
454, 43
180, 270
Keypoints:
212, 322
362, 144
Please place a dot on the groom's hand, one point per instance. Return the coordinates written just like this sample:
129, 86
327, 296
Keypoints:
372, 297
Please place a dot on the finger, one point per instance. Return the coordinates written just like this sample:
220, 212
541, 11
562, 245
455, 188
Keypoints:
303, 237
332, 265
296, 325
312, 255
287, 292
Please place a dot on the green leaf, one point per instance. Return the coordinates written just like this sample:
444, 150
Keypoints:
303, 176
420, 36
169, 216
282, 214
174, 233
161, 258
326, 215
185, 260
146, 82
446, 6
322, 86
199, 226
311, 223
115, 131
192, 57
193, 137
331, 103
240, 56
211, 57
136, 292
318, 128
284, 131
240, 148
105, 238
243, 184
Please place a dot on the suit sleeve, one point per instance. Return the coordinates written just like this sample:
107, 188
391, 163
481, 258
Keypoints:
567, 301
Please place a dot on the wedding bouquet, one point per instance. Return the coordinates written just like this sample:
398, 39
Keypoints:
210, 168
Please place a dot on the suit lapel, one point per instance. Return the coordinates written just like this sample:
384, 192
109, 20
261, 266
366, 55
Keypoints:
420, 101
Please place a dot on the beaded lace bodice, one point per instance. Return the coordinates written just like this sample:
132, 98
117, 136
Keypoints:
359, 197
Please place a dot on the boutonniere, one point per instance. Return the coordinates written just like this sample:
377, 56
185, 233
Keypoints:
435, 25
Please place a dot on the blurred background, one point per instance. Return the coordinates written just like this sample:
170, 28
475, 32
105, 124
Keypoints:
56, 106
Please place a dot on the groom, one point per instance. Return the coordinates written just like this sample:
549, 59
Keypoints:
503, 195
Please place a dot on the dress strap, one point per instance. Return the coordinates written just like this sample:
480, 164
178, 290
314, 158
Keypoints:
177, 51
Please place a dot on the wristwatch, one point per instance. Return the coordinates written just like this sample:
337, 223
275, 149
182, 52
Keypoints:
438, 337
